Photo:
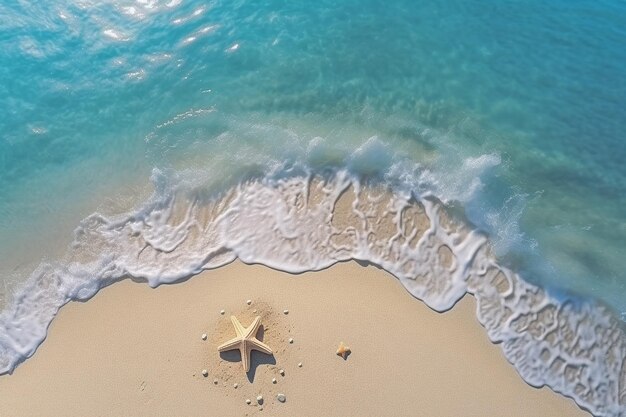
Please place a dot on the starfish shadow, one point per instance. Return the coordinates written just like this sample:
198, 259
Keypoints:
256, 358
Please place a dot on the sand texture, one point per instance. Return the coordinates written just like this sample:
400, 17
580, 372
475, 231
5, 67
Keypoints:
137, 351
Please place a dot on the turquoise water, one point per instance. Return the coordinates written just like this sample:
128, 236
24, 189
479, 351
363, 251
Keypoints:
512, 111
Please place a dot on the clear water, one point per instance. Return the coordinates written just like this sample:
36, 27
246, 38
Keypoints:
513, 111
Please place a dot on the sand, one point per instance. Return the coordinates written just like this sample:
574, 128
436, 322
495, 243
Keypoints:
137, 351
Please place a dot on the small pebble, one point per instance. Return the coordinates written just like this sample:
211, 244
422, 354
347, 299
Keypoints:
204, 336
205, 373
259, 399
254, 311
282, 372
215, 381
291, 340
281, 398
248, 401
300, 365
222, 312
285, 311
249, 302
235, 385
273, 380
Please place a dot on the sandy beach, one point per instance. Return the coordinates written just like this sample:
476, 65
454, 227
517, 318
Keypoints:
137, 351
407, 208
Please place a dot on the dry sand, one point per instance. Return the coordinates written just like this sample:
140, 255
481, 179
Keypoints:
137, 351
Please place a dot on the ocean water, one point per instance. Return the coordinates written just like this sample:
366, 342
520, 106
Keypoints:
511, 113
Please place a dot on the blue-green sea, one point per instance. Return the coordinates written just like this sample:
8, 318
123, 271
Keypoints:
511, 112
87, 90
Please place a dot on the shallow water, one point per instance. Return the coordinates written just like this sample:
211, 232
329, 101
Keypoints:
96, 94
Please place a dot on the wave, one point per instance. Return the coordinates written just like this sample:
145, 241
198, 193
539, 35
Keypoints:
306, 222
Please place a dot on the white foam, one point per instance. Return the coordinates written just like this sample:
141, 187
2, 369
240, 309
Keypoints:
300, 224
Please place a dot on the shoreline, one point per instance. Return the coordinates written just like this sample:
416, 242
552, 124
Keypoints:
301, 224
137, 350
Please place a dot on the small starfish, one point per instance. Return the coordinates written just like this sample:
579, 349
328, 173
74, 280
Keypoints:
245, 341
343, 351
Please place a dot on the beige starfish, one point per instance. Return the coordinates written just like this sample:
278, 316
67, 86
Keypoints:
245, 341
343, 351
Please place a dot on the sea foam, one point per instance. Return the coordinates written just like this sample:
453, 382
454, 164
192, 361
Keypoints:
309, 222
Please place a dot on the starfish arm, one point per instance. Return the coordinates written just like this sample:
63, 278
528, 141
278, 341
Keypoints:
241, 331
230, 345
245, 357
261, 347
254, 327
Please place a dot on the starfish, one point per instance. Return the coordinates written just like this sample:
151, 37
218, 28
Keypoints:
343, 351
245, 341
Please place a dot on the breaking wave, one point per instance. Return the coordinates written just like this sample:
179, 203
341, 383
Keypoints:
310, 221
